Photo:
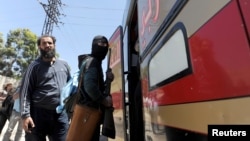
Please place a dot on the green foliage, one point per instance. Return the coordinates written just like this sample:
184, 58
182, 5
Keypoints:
19, 51
1, 40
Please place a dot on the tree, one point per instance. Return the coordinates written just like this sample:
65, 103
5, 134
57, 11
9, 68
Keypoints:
19, 51
1, 48
1, 40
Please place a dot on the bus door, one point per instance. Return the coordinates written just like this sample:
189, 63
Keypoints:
117, 86
244, 8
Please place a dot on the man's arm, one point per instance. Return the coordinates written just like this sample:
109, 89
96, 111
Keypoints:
2, 96
16, 95
25, 92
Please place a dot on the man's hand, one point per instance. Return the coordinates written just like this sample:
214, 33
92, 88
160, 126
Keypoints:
28, 124
2, 98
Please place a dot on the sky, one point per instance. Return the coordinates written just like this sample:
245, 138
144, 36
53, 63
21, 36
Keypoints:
80, 21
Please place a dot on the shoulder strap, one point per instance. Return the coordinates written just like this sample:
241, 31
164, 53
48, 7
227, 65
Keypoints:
85, 65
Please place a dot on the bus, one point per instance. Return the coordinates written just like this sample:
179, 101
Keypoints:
180, 66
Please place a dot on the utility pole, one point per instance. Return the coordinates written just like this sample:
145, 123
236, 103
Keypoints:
52, 15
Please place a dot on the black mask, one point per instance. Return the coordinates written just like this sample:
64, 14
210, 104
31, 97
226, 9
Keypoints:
99, 47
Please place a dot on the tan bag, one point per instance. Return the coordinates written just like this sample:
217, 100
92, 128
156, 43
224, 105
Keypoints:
83, 123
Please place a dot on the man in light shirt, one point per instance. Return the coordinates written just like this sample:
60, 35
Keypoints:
15, 119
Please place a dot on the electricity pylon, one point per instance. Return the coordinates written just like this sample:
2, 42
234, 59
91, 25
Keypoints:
52, 15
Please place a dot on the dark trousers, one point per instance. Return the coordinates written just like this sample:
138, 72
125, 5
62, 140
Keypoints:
48, 123
96, 134
3, 119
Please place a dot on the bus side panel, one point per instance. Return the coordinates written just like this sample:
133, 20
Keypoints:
220, 60
218, 89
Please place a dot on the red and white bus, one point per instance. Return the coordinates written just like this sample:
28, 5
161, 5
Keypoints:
180, 65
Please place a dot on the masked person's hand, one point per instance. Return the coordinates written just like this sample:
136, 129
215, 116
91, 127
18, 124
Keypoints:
107, 101
110, 76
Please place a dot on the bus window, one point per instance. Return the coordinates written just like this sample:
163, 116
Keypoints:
170, 60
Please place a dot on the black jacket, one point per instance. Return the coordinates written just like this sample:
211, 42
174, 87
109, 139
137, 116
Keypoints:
7, 106
93, 85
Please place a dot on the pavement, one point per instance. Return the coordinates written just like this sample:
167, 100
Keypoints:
5, 128
13, 134
102, 138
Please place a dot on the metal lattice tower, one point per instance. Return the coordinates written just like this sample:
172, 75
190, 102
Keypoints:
52, 15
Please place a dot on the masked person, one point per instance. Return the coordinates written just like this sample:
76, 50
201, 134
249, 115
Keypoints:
93, 84
40, 94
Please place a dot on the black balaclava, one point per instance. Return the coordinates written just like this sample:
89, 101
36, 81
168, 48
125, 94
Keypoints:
97, 51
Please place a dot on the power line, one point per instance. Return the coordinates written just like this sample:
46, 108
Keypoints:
92, 8
92, 18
